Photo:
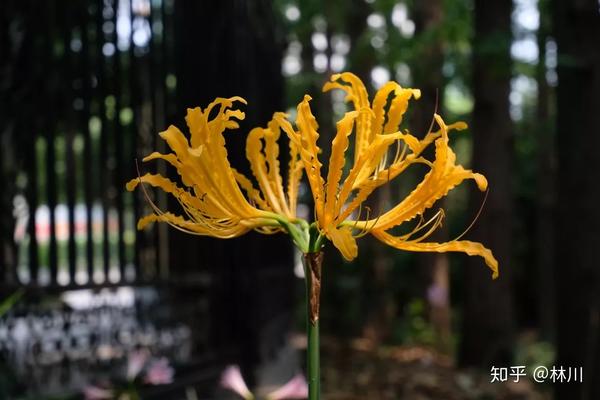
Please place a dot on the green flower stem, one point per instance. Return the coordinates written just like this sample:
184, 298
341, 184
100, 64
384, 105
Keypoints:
312, 269
313, 362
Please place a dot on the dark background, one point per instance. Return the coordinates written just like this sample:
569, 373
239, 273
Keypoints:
85, 87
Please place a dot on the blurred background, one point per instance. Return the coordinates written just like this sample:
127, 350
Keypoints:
86, 86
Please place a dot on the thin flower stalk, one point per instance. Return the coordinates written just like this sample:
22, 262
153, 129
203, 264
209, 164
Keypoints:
217, 200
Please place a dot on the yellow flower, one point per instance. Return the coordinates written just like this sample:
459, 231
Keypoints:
377, 128
217, 200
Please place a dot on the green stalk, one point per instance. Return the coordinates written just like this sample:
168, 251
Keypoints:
312, 269
314, 362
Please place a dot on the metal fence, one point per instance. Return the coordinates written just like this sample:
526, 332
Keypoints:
86, 86
90, 82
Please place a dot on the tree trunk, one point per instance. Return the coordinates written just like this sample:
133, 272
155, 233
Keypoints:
577, 31
488, 322
546, 190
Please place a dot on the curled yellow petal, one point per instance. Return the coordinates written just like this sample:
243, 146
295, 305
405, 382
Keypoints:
379, 102
343, 240
176, 140
295, 164
216, 200
463, 246
252, 193
258, 164
444, 175
272, 134
357, 93
379, 145
336, 165
306, 140
398, 108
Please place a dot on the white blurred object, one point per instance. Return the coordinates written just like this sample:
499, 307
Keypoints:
21, 214
84, 299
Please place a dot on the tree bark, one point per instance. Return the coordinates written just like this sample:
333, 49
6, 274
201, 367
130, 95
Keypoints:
577, 31
488, 322
546, 188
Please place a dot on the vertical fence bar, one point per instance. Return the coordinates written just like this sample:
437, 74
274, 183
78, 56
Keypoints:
133, 99
168, 83
152, 122
158, 87
32, 199
104, 173
85, 172
27, 127
74, 123
88, 143
119, 138
4, 243
50, 125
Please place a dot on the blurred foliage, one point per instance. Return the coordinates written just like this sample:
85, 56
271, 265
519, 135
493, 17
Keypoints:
535, 353
10, 301
414, 328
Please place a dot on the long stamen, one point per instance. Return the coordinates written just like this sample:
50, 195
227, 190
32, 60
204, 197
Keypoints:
476, 217
397, 155
364, 231
468, 228
435, 222
435, 110
400, 157
210, 223
358, 216
146, 195
368, 229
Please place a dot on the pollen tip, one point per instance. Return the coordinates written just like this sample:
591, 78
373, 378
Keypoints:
460, 125
481, 182
132, 184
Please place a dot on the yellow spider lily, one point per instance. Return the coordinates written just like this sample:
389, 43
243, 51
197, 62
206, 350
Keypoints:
377, 128
216, 199
221, 202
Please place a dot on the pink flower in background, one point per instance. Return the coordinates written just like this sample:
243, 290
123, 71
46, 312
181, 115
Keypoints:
136, 362
437, 295
232, 379
159, 372
296, 388
92, 392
